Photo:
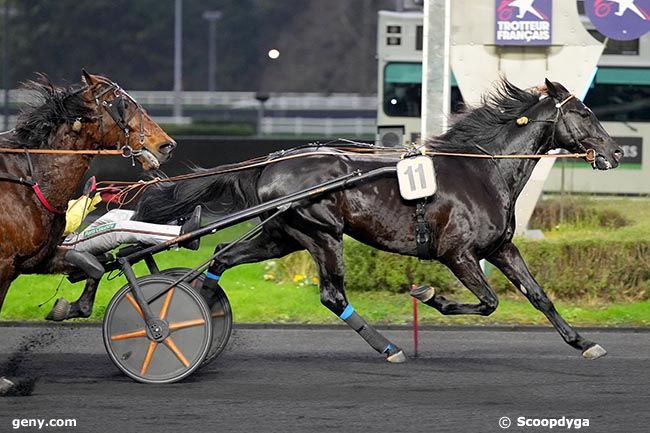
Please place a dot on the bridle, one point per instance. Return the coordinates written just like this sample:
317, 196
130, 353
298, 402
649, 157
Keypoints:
116, 109
560, 116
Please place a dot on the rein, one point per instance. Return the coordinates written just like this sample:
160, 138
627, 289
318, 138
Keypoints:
131, 190
64, 152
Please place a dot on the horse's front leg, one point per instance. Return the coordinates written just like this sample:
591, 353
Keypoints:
509, 261
466, 268
7, 275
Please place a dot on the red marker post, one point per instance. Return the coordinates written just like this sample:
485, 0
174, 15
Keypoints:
416, 340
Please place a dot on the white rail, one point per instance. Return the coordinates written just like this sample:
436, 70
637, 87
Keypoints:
326, 126
235, 100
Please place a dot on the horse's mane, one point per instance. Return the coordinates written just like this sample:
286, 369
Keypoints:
51, 106
482, 125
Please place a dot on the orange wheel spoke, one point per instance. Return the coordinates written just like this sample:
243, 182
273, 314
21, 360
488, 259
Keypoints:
134, 334
133, 302
147, 358
170, 343
218, 314
186, 324
165, 306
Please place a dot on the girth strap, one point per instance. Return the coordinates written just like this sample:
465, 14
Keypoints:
422, 232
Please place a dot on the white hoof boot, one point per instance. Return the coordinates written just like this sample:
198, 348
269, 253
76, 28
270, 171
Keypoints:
396, 358
6, 385
594, 352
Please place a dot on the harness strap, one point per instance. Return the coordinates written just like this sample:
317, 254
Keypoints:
34, 186
422, 232
46, 204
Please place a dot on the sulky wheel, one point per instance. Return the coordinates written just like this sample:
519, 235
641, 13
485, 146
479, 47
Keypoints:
220, 311
180, 353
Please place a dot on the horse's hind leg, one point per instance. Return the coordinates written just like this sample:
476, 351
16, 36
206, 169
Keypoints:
327, 251
82, 307
64, 309
509, 261
467, 269
263, 247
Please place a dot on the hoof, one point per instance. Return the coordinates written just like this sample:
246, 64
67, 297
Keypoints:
594, 352
423, 293
397, 357
60, 310
6, 386
19, 387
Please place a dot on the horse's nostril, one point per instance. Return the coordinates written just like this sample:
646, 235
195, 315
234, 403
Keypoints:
618, 154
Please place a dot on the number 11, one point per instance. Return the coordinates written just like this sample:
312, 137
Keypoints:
420, 170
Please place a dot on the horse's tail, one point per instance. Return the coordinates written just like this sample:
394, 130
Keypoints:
219, 194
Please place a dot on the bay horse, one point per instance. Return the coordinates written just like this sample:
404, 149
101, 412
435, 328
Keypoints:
93, 115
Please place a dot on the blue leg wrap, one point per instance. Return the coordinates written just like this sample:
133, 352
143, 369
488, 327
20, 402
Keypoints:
347, 312
212, 276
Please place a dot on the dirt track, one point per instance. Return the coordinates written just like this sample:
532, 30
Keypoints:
323, 379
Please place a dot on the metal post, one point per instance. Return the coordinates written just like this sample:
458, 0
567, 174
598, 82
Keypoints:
260, 118
435, 67
178, 60
261, 98
212, 55
5, 65
212, 17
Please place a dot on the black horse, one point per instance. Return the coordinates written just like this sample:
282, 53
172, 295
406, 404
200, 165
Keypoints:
471, 216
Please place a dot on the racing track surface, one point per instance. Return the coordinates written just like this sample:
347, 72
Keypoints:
299, 379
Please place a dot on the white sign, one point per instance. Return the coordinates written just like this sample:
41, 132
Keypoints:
416, 177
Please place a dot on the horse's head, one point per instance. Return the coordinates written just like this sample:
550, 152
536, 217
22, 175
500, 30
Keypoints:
124, 124
578, 130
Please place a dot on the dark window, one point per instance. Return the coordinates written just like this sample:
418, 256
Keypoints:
621, 48
620, 95
393, 29
403, 90
419, 31
620, 102
393, 40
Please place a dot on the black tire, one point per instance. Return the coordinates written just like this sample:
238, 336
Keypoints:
220, 311
142, 359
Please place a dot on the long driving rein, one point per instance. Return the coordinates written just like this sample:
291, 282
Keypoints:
116, 110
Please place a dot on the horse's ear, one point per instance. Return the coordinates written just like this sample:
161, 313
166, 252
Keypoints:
87, 78
551, 89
